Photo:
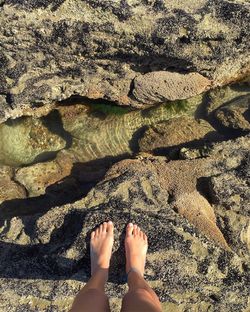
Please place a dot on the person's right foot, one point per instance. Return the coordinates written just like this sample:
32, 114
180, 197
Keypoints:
136, 245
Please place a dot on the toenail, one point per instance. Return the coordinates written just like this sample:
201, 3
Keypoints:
130, 224
110, 222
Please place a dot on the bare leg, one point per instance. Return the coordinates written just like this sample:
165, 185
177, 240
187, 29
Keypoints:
140, 297
92, 297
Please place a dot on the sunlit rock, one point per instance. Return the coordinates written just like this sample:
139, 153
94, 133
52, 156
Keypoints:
161, 86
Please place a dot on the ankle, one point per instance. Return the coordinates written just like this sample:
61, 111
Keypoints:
101, 272
133, 276
133, 269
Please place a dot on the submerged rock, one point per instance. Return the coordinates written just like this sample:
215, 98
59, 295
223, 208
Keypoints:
9, 188
232, 118
234, 115
158, 87
232, 95
176, 131
27, 140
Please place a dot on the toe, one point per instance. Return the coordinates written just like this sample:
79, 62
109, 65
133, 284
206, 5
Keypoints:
104, 227
145, 237
101, 228
97, 231
129, 229
135, 230
92, 234
110, 228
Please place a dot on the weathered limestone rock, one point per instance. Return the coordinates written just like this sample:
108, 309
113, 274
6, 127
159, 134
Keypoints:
161, 86
233, 193
195, 210
232, 95
233, 118
235, 115
44, 258
9, 188
96, 49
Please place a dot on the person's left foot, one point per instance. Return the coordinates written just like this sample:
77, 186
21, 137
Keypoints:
101, 244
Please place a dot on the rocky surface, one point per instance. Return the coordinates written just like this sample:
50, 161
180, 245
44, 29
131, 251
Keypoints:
53, 50
198, 235
235, 115
58, 178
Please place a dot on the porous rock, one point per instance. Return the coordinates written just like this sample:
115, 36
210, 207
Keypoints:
232, 118
157, 87
234, 95
9, 188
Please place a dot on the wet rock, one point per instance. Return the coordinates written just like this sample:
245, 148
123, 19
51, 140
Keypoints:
232, 95
9, 188
235, 115
228, 108
176, 131
38, 177
158, 87
232, 118
27, 140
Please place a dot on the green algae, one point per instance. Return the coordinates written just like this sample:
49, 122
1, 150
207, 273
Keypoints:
109, 109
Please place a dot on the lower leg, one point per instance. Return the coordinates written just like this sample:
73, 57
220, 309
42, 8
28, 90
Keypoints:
92, 297
140, 296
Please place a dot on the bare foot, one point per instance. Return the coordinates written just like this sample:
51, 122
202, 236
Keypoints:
101, 244
136, 245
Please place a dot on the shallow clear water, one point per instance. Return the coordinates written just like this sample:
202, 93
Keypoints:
94, 131
87, 132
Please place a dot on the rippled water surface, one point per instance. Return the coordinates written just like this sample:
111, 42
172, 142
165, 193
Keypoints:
93, 131
88, 132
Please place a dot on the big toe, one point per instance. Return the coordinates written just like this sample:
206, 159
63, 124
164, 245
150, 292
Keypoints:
110, 228
129, 229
